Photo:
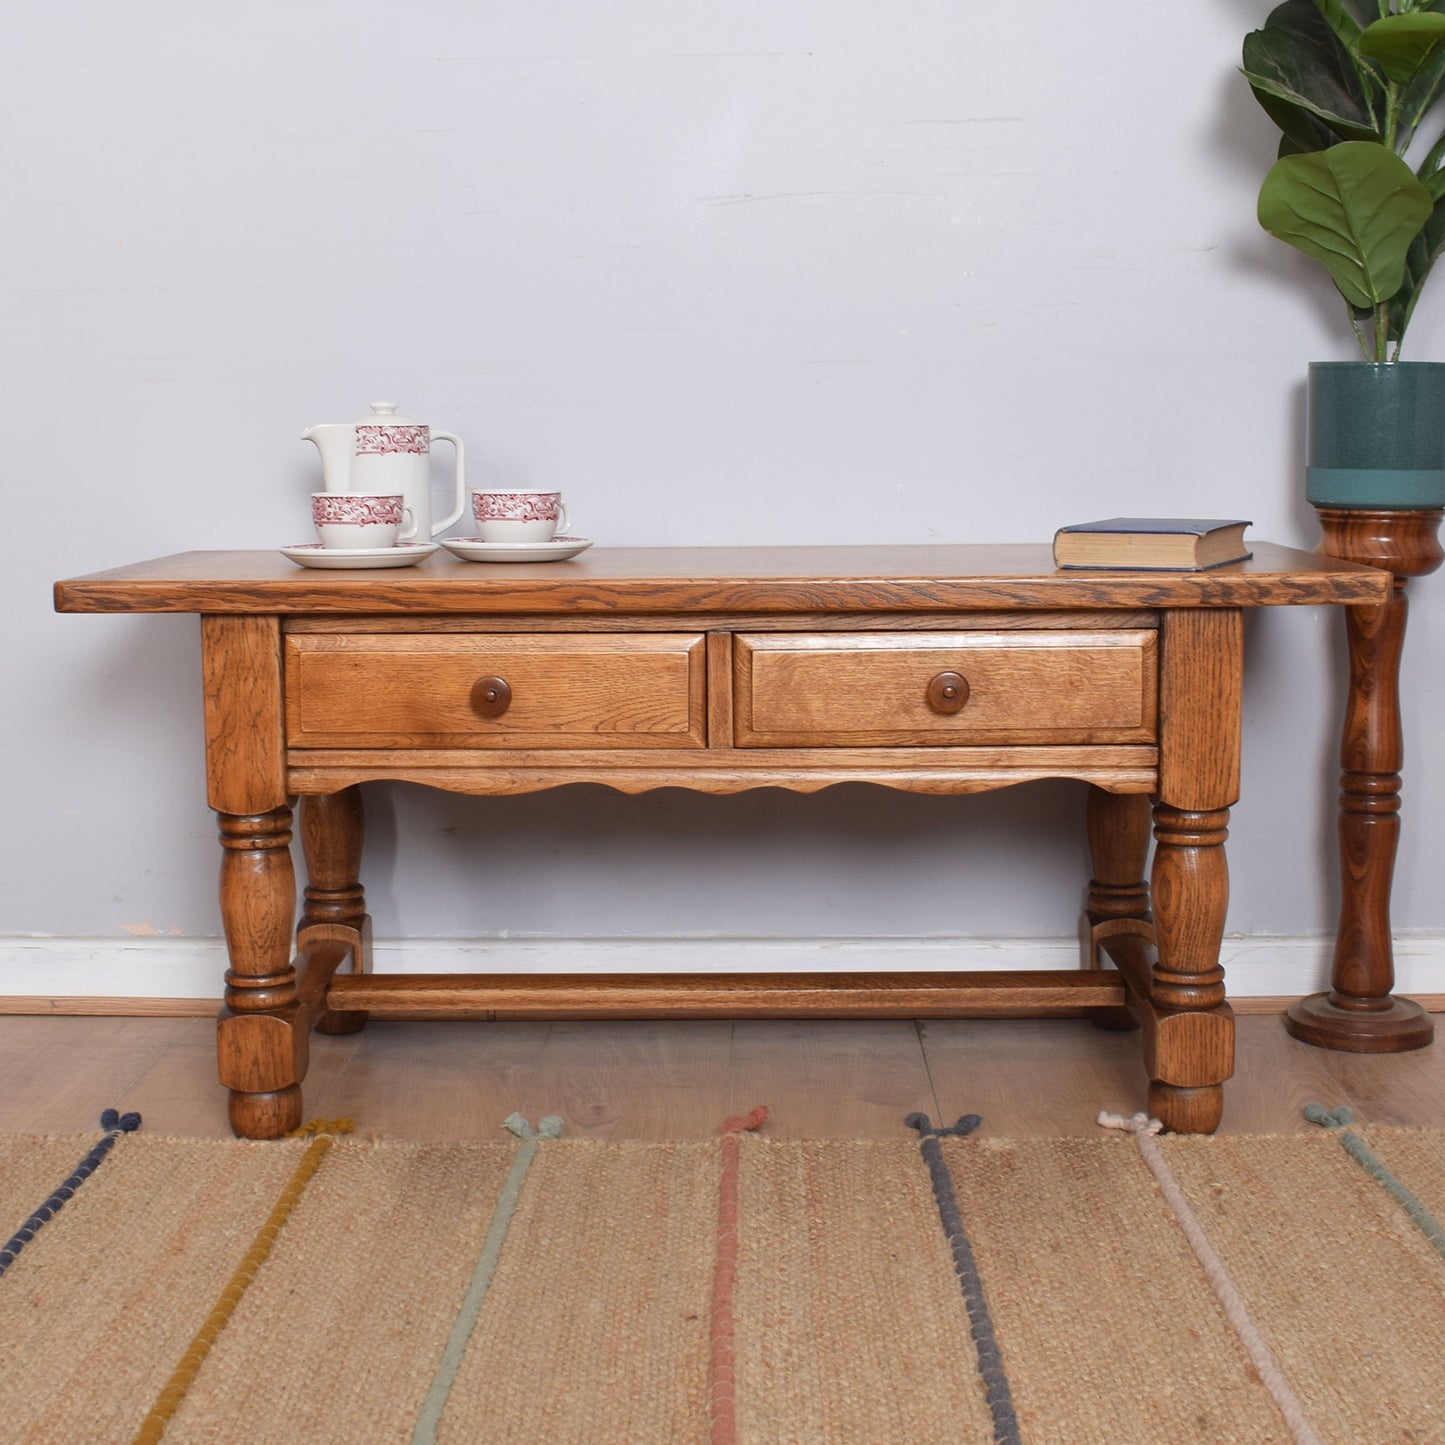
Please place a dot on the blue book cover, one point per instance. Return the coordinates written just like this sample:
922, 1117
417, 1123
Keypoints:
1154, 544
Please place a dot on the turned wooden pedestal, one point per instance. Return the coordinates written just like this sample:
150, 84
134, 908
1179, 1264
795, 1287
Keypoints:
942, 670
1359, 1013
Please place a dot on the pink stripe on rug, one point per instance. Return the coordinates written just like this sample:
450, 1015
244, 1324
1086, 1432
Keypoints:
1143, 1128
721, 1382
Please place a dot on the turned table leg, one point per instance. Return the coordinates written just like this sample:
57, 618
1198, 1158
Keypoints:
334, 911
1194, 1040
1189, 1041
1359, 1013
261, 1035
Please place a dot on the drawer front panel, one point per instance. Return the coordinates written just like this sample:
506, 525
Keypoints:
603, 690
862, 689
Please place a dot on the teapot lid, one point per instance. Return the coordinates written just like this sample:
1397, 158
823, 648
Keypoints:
384, 413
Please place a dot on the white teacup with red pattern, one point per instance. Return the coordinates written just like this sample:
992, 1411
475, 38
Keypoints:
361, 520
519, 514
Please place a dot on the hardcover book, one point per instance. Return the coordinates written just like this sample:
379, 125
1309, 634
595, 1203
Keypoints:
1167, 544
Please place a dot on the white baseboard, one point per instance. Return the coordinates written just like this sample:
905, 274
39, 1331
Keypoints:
183, 968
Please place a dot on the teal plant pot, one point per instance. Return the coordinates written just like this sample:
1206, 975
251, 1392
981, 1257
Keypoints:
1375, 434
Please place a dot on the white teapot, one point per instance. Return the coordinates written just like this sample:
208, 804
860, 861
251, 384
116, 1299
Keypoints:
385, 452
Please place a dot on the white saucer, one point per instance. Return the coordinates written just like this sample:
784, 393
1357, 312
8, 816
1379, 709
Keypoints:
473, 549
313, 554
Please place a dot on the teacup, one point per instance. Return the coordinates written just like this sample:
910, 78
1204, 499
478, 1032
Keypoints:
519, 514
361, 519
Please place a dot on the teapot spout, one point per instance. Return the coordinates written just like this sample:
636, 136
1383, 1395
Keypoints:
335, 441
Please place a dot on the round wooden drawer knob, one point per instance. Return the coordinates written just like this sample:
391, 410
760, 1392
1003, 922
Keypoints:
491, 696
948, 692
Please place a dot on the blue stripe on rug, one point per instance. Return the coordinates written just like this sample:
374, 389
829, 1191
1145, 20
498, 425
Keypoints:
435, 1403
115, 1125
1375, 1167
985, 1342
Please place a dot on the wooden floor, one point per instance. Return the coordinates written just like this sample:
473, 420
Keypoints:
636, 1080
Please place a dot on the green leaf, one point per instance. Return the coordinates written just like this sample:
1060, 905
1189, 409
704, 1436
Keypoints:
1417, 98
1355, 208
1422, 255
1341, 20
1321, 22
1404, 44
1297, 59
1302, 129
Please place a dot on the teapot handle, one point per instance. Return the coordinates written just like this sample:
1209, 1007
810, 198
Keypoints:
461, 501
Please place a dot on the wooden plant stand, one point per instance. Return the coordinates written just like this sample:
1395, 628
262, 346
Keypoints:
1359, 1013
945, 670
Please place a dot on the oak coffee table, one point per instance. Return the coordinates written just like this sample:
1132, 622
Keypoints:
933, 669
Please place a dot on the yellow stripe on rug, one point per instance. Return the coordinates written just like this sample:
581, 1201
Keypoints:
322, 1133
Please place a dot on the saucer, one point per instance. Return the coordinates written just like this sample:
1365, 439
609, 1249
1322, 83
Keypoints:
473, 549
313, 554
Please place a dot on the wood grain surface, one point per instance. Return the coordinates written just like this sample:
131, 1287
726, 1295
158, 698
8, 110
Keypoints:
740, 579
727, 996
938, 771
860, 689
593, 690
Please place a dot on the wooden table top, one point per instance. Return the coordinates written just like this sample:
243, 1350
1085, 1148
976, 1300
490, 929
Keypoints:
714, 579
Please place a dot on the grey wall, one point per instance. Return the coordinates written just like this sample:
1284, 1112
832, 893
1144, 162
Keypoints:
727, 273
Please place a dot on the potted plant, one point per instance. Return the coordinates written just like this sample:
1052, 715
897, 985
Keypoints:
1350, 92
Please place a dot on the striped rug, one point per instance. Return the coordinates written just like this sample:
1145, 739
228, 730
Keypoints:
946, 1287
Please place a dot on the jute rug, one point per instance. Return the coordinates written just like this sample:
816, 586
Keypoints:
947, 1288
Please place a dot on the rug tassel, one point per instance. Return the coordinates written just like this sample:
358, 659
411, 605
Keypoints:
1256, 1347
313, 1128
965, 1126
1140, 1123
746, 1123
548, 1127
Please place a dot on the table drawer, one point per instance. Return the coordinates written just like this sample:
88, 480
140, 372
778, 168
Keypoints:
893, 690
481, 690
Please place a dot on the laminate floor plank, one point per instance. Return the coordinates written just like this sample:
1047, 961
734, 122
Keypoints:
1282, 1074
634, 1080
57, 1074
429, 1080
831, 1078
1393, 1088
1033, 1076
170, 1096
676, 1080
